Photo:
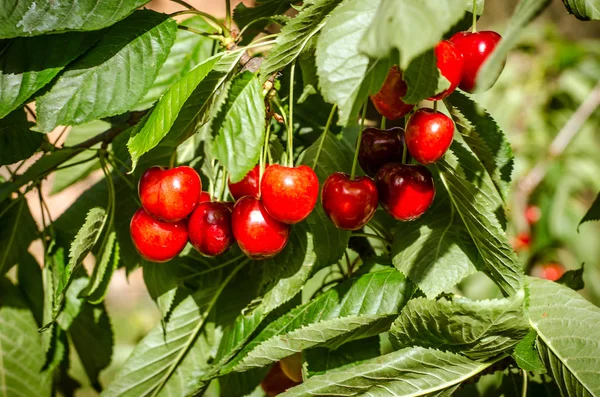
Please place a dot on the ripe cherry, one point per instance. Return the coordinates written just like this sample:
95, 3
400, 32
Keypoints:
549, 271
378, 147
204, 197
258, 234
170, 194
428, 135
522, 241
157, 241
247, 186
476, 47
289, 194
533, 214
450, 63
387, 101
209, 228
405, 191
348, 203
276, 381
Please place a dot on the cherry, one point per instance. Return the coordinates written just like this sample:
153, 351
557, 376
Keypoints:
378, 147
348, 203
209, 228
522, 241
289, 194
428, 135
157, 241
292, 367
405, 191
387, 101
450, 62
247, 186
533, 214
276, 381
170, 194
258, 234
548, 271
476, 47
204, 197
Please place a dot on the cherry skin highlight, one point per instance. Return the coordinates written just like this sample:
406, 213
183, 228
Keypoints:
209, 228
428, 135
349, 204
379, 147
257, 233
405, 191
289, 194
387, 101
247, 186
170, 194
155, 240
476, 47
450, 62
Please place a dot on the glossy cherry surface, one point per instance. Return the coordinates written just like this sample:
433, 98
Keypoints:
204, 197
276, 382
349, 204
450, 62
428, 135
247, 186
387, 101
289, 194
405, 191
257, 233
378, 147
476, 48
209, 228
170, 194
155, 240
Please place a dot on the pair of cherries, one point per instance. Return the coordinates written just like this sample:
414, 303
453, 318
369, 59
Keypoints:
175, 210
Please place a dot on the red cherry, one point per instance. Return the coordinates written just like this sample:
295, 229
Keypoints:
350, 204
170, 194
549, 271
204, 197
289, 194
247, 186
157, 241
258, 234
533, 214
276, 381
522, 241
405, 191
387, 101
450, 62
428, 135
475, 47
378, 147
210, 228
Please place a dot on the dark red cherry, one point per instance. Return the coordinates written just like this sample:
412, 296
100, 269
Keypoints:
204, 197
209, 228
157, 241
170, 194
289, 194
378, 147
350, 204
428, 135
257, 233
247, 186
387, 101
450, 63
476, 47
405, 191
276, 381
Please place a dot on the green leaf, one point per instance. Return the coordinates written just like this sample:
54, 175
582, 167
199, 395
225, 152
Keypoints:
31, 18
296, 34
17, 232
346, 76
21, 351
527, 356
243, 15
476, 329
485, 138
583, 9
357, 309
321, 359
573, 279
410, 372
593, 214
28, 64
103, 271
411, 27
526, 11
239, 127
17, 142
423, 78
29, 276
113, 76
568, 336
242, 383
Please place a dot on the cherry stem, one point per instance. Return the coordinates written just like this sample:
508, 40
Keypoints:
474, 16
212, 186
358, 139
382, 126
291, 118
173, 158
263, 155
214, 22
404, 147
323, 135
222, 192
228, 14
435, 104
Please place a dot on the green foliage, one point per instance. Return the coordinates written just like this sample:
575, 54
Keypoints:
583, 9
423, 78
593, 214
321, 359
17, 142
17, 231
526, 354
